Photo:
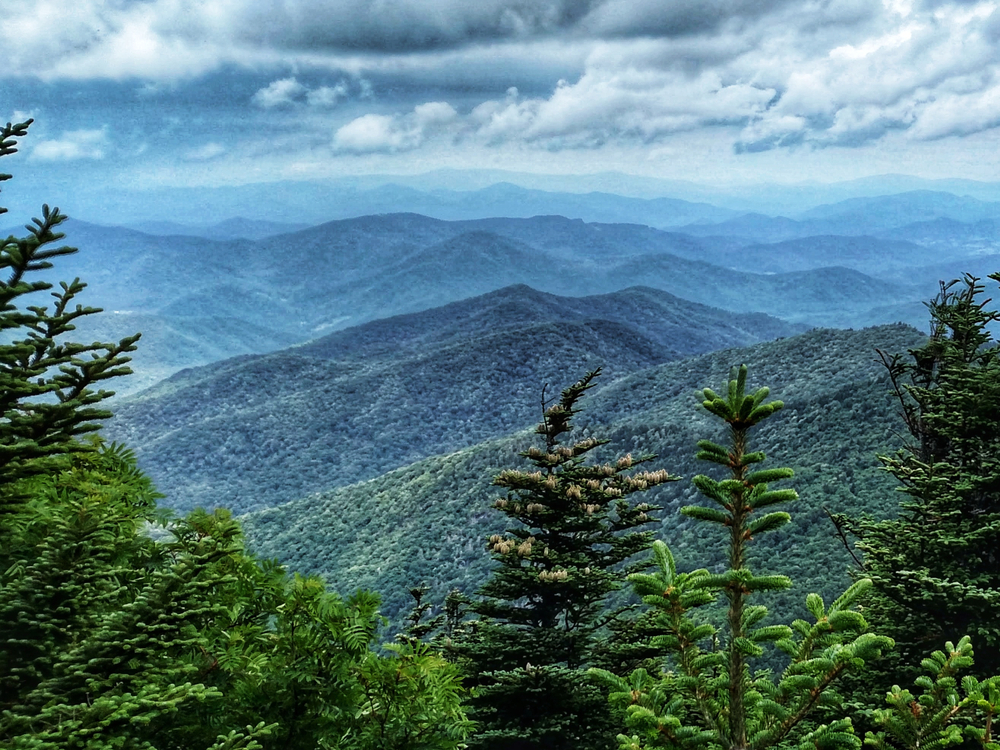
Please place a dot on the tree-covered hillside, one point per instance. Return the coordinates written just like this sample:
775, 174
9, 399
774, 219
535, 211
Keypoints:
253, 432
278, 290
425, 523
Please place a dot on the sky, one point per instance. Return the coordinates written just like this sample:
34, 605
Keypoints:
135, 93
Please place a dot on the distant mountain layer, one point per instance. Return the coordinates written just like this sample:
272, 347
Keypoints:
427, 522
256, 431
350, 271
869, 255
443, 192
236, 228
876, 215
293, 287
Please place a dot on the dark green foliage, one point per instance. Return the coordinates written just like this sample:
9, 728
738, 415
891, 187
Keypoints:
108, 623
301, 659
47, 385
359, 402
935, 567
124, 641
708, 696
542, 609
942, 715
837, 415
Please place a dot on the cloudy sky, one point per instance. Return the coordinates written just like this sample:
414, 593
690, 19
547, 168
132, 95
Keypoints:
193, 92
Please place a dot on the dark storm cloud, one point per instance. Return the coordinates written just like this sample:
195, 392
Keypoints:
389, 26
617, 18
769, 74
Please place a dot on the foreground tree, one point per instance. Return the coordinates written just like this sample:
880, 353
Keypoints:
110, 638
944, 714
49, 393
542, 610
935, 567
709, 697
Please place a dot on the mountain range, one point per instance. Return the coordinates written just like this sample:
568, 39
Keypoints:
426, 522
200, 300
255, 431
466, 194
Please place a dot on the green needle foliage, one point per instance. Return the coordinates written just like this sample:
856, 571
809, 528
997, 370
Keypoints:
123, 628
943, 715
49, 392
936, 566
709, 697
542, 613
116, 640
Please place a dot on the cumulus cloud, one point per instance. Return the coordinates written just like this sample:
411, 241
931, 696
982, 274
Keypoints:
844, 76
764, 74
283, 92
327, 96
928, 75
286, 92
374, 133
73, 145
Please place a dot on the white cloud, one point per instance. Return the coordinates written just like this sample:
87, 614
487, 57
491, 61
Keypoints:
326, 96
281, 93
375, 133
287, 92
816, 73
73, 145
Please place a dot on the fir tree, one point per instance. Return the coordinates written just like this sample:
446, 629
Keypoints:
944, 714
936, 566
709, 697
541, 611
110, 638
47, 385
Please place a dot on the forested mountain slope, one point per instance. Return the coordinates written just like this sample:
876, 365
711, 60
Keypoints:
426, 522
252, 432
259, 295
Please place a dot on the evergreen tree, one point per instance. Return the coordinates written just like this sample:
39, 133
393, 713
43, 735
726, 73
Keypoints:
936, 566
101, 622
47, 385
110, 638
935, 719
117, 640
541, 611
710, 697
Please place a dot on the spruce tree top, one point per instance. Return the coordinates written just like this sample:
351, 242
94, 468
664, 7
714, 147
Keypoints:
49, 387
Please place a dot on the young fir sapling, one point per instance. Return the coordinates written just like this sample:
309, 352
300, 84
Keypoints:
709, 697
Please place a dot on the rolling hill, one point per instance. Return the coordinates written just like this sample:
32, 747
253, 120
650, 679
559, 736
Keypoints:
426, 522
288, 288
252, 432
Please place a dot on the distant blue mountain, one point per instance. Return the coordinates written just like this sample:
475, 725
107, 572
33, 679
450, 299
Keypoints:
229, 229
853, 217
292, 287
905, 208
